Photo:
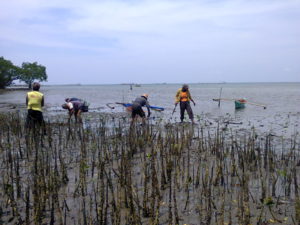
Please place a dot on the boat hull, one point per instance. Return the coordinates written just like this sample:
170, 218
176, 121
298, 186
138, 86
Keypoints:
129, 105
239, 105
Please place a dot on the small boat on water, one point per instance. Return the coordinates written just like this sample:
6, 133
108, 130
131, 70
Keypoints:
240, 103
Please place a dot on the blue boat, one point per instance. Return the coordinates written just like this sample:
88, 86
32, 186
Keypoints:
128, 106
156, 108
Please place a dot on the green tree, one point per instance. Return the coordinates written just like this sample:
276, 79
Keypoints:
8, 72
31, 72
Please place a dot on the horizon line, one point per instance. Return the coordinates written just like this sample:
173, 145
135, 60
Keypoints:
159, 83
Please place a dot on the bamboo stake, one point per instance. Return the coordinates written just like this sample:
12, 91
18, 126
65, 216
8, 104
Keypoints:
220, 98
223, 99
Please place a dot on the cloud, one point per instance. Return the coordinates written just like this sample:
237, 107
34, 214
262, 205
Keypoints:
176, 34
113, 18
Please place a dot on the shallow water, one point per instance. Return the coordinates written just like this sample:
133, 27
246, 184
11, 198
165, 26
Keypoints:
281, 115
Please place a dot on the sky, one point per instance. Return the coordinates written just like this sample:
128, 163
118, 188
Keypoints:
154, 41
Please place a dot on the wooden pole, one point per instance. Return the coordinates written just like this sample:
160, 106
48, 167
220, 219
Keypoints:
223, 99
220, 98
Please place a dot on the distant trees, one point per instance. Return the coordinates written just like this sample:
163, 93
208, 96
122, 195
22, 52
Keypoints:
29, 72
8, 72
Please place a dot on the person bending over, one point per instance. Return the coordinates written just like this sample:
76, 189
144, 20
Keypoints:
137, 105
75, 108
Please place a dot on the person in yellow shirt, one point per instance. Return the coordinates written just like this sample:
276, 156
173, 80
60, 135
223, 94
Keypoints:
183, 96
34, 103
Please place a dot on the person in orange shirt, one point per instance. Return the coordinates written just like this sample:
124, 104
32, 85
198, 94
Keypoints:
183, 96
34, 103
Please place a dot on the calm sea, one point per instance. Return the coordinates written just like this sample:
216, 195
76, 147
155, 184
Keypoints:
282, 101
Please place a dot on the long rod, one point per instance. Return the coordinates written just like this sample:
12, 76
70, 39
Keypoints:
252, 103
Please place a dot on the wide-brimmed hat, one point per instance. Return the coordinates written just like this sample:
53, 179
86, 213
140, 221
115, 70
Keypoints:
145, 95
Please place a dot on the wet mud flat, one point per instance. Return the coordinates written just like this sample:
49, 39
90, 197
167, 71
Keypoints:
108, 172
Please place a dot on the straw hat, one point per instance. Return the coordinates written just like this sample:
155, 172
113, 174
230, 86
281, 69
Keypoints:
145, 95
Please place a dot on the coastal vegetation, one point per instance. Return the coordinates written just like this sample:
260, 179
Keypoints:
107, 172
8, 73
27, 73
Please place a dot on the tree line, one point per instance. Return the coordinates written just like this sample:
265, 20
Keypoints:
27, 73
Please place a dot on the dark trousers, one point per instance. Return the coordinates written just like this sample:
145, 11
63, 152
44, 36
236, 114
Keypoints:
186, 106
137, 110
34, 119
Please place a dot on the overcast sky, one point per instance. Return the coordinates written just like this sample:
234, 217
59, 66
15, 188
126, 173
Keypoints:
123, 41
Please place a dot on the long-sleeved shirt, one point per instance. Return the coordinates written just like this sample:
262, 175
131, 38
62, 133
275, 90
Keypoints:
142, 101
178, 95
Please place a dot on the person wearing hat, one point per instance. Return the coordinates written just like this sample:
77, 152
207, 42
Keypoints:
137, 105
73, 99
183, 96
34, 103
74, 106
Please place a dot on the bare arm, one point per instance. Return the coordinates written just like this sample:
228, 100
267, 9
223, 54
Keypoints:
78, 115
70, 115
43, 101
71, 111
192, 100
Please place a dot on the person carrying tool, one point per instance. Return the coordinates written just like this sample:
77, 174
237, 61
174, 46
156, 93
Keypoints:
137, 105
34, 103
183, 96
75, 106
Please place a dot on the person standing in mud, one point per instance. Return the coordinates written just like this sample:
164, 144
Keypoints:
34, 103
183, 96
137, 110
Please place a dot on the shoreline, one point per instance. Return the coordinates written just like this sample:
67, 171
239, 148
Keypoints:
14, 88
281, 118
286, 126
24, 87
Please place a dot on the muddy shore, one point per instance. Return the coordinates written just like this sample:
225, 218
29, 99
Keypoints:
106, 172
